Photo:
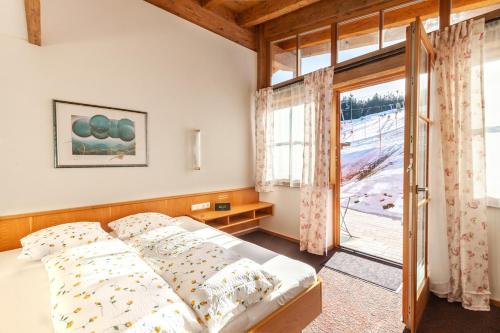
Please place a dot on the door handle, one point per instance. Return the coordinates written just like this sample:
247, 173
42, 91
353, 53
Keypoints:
421, 189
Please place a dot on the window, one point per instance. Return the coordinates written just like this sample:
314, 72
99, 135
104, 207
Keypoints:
300, 54
288, 141
492, 111
315, 50
464, 10
397, 19
357, 37
284, 60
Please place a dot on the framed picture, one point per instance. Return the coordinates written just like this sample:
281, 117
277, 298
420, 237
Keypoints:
98, 136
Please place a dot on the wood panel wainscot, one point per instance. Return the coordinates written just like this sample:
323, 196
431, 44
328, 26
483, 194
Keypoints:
15, 227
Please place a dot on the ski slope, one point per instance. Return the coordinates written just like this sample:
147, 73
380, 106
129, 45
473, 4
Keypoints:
372, 163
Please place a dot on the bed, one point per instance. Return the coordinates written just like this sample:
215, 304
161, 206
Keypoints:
24, 287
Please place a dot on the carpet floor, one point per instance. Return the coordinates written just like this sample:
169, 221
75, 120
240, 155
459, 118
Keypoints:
352, 305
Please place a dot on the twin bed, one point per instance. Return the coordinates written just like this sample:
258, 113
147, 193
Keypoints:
296, 300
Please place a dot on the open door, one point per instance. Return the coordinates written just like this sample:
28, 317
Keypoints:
419, 54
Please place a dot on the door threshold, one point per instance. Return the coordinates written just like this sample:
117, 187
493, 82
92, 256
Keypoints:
371, 256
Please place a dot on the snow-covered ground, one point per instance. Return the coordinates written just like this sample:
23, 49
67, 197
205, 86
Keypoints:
372, 164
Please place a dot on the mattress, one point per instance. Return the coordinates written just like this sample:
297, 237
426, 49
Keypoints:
24, 286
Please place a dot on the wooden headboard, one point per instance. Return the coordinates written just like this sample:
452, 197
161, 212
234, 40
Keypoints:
15, 227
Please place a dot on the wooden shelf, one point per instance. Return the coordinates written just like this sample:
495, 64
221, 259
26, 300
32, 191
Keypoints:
240, 219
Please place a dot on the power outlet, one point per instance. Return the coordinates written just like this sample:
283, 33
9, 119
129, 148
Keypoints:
200, 206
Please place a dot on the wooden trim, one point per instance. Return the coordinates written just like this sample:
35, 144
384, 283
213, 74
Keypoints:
34, 26
333, 43
444, 13
371, 73
263, 57
338, 174
294, 315
192, 11
495, 302
14, 227
277, 234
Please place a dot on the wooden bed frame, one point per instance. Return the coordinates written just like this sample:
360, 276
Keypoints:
291, 317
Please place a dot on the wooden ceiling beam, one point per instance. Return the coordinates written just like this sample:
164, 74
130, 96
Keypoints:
211, 3
271, 9
327, 12
194, 12
323, 13
34, 26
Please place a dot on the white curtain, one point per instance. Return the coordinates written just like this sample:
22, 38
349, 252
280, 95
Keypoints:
492, 106
459, 112
264, 136
314, 191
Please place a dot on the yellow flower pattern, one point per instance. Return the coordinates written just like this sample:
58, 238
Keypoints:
136, 224
54, 239
106, 287
216, 282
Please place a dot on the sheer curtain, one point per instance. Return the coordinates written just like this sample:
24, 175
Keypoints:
264, 137
492, 106
292, 137
315, 205
459, 111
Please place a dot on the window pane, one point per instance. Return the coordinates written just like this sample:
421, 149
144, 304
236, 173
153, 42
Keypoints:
281, 162
284, 60
297, 158
464, 10
431, 24
423, 84
282, 125
298, 123
422, 158
421, 246
357, 37
315, 50
397, 19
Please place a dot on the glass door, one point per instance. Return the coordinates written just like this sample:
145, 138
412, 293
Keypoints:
419, 55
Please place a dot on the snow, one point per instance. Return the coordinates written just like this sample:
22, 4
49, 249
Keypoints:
372, 164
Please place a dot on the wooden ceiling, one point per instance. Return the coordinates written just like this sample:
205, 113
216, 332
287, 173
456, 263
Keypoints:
242, 21
232, 19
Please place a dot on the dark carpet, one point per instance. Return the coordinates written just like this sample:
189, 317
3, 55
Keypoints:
373, 271
353, 305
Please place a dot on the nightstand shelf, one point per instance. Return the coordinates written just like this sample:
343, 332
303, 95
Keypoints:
239, 220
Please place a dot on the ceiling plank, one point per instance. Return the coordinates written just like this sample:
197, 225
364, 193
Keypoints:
192, 11
32, 9
268, 10
211, 3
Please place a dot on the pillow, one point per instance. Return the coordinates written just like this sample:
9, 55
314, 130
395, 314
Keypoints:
53, 239
133, 225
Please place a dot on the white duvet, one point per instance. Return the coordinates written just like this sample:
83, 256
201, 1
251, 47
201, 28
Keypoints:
216, 282
107, 287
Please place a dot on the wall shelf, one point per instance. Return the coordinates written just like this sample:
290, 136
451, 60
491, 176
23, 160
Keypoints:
239, 220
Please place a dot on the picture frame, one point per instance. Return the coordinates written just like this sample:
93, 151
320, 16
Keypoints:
91, 136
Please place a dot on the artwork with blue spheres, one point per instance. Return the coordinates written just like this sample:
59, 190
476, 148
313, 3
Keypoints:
100, 135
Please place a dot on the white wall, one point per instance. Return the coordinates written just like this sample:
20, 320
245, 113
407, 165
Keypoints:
286, 211
127, 54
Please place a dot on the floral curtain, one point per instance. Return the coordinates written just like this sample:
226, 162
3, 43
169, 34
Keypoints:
314, 191
459, 79
264, 135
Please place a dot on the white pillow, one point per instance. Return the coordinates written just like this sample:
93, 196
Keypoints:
53, 239
133, 225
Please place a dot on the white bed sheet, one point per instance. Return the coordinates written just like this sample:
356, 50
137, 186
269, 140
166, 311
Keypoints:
24, 286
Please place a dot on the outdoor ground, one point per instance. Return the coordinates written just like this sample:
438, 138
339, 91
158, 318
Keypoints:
372, 183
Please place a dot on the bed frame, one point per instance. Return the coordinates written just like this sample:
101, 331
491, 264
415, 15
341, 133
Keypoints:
291, 317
